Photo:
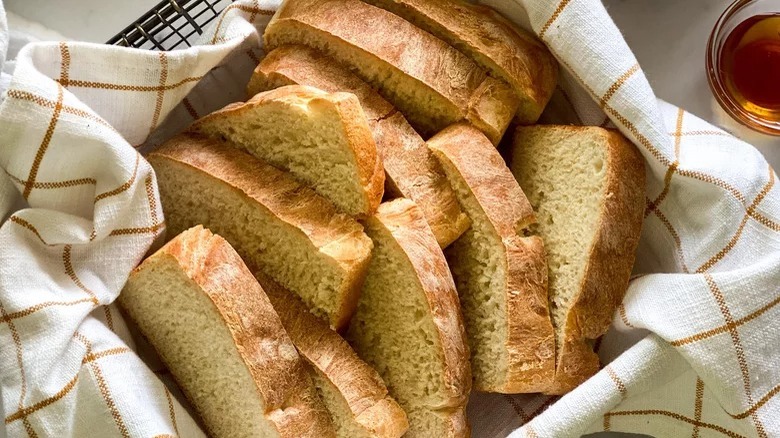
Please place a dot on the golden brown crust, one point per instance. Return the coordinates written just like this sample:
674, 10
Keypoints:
531, 337
405, 222
610, 261
459, 424
291, 401
297, 64
530, 341
360, 385
332, 233
354, 125
371, 169
487, 116
495, 43
350, 30
489, 179
412, 172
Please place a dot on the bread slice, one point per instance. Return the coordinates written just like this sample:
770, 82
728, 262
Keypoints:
499, 268
323, 139
408, 323
586, 185
216, 331
432, 83
412, 172
520, 59
275, 223
353, 392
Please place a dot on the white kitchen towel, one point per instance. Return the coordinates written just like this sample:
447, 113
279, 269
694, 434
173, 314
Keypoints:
694, 350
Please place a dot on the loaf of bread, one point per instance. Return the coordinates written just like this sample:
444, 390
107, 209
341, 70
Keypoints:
412, 172
275, 223
212, 325
353, 392
499, 269
408, 324
323, 139
496, 44
586, 185
429, 81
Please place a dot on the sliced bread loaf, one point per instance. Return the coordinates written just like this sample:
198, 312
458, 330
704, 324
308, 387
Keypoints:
216, 331
353, 392
412, 172
275, 223
586, 185
499, 269
432, 83
323, 139
520, 59
298, 64
408, 323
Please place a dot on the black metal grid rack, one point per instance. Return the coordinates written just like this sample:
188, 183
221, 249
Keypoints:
172, 24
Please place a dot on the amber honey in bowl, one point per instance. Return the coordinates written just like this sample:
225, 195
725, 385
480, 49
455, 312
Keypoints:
750, 65
743, 64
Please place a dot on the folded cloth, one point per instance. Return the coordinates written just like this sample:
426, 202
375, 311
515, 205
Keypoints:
79, 209
694, 349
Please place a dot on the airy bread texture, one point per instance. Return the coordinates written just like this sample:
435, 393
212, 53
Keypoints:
275, 223
412, 172
586, 185
520, 59
499, 269
323, 139
218, 334
403, 62
353, 392
408, 323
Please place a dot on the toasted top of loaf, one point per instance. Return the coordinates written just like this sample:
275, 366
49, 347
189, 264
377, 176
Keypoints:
507, 318
323, 139
402, 61
357, 397
587, 187
215, 329
274, 222
298, 64
408, 323
412, 172
465, 156
520, 59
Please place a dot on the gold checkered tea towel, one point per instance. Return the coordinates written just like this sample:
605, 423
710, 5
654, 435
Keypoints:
694, 349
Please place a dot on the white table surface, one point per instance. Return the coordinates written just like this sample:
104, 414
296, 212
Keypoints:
667, 36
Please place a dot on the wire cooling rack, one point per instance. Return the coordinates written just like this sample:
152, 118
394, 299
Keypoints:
172, 24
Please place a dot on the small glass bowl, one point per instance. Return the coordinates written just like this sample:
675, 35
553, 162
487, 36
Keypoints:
735, 14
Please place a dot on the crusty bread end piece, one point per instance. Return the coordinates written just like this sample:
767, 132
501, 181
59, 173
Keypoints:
499, 268
408, 324
353, 392
323, 139
520, 59
587, 187
216, 331
431, 82
412, 172
274, 222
